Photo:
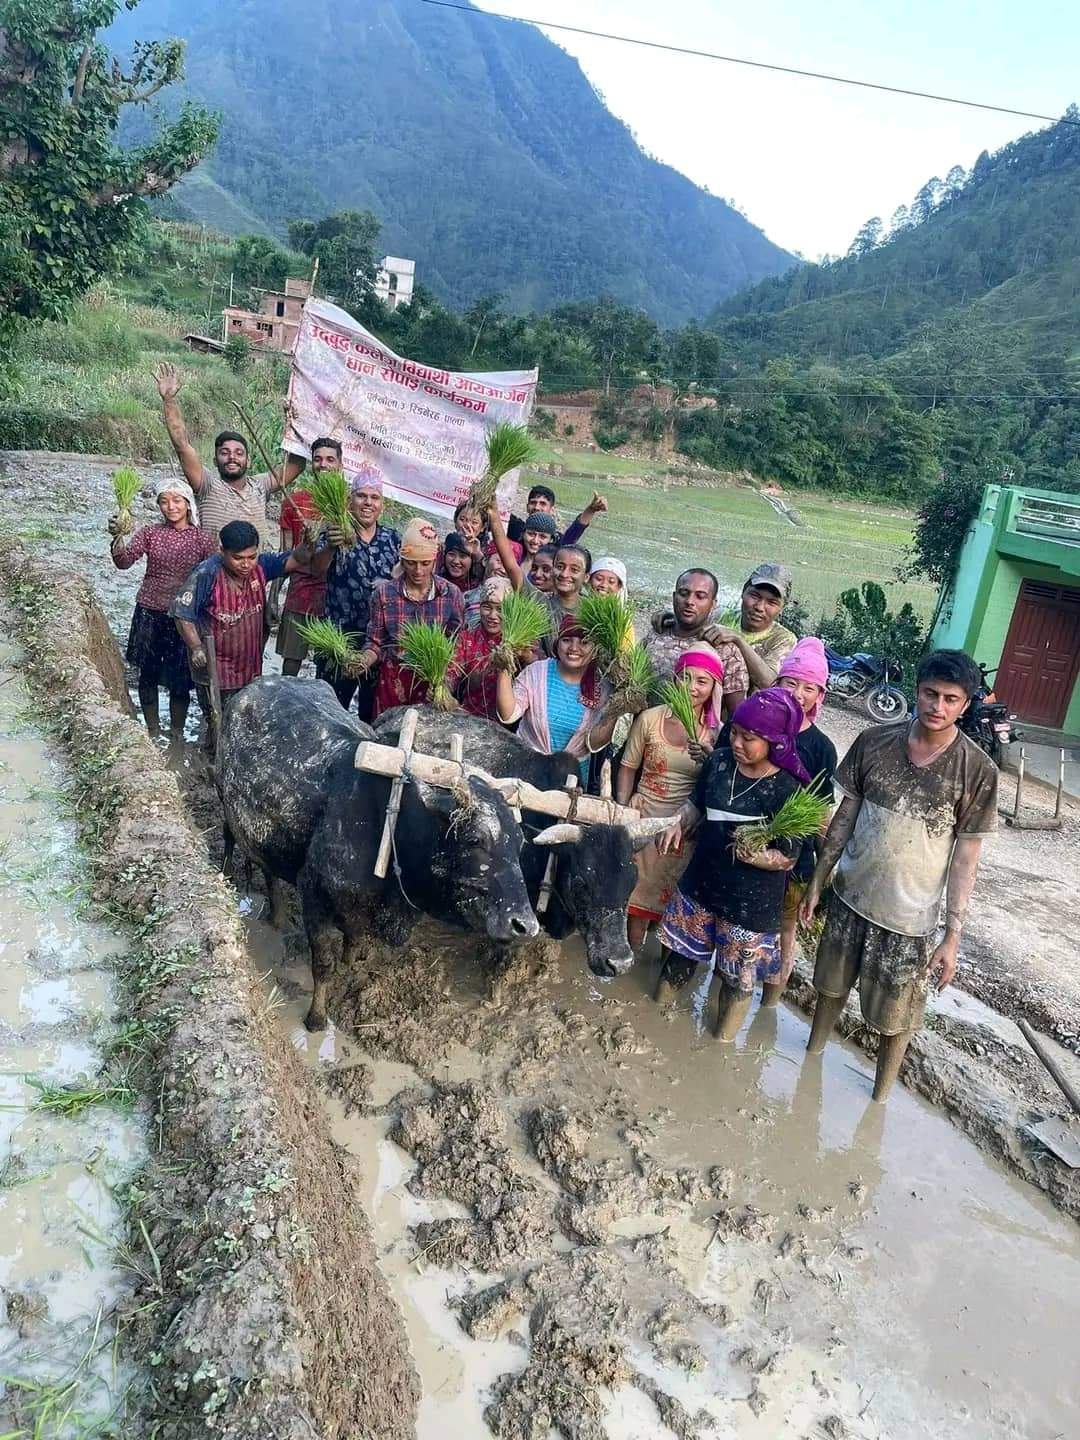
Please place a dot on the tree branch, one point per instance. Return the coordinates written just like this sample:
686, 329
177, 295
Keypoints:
80, 74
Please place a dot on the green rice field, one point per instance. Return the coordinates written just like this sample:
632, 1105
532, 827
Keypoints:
729, 529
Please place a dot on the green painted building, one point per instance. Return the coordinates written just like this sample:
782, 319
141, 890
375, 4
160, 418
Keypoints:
1015, 601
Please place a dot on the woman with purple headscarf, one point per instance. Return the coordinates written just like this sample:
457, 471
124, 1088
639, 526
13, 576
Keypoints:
728, 905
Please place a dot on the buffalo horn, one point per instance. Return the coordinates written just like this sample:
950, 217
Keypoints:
564, 834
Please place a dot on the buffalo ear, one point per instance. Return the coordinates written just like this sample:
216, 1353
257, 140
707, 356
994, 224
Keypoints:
563, 834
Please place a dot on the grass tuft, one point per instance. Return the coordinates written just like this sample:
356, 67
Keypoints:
525, 622
126, 485
329, 491
328, 640
508, 447
676, 696
801, 815
428, 651
72, 1100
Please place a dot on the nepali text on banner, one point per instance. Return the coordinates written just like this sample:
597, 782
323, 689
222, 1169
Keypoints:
424, 427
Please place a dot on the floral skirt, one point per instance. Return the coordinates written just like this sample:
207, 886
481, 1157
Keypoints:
158, 652
398, 685
743, 956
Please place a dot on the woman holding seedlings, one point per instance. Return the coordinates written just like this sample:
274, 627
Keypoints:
457, 562
172, 547
483, 651
559, 701
804, 672
728, 902
659, 747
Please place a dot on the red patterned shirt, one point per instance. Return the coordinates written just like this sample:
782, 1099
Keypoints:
306, 594
235, 613
171, 555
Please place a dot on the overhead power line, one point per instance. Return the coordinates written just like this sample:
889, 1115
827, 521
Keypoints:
752, 64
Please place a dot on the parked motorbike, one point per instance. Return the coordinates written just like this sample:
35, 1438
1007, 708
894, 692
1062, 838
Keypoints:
870, 678
987, 720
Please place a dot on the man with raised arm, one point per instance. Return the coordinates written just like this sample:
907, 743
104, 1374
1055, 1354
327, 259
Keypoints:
919, 798
230, 493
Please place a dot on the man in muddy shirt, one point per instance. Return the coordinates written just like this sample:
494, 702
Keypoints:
919, 798
227, 492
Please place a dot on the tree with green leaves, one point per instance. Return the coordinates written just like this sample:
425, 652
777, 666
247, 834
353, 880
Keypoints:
344, 245
260, 261
868, 238
71, 199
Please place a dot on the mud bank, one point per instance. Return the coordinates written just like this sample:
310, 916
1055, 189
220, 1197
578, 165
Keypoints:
262, 1311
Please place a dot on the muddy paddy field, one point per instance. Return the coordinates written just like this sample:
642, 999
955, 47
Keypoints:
521, 1202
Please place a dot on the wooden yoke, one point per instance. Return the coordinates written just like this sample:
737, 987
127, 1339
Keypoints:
406, 736
392, 761
548, 882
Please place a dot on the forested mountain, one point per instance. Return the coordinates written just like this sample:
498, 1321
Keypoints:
480, 144
947, 343
1007, 235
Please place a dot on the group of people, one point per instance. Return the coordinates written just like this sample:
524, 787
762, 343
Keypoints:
916, 798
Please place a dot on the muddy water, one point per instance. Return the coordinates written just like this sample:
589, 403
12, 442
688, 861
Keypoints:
889, 1280
59, 1215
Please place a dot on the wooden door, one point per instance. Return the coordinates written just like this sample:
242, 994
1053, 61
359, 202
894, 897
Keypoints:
1042, 654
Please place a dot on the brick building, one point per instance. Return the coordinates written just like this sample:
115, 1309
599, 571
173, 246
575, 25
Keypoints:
275, 324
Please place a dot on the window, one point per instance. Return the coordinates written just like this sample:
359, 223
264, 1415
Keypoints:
266, 326
280, 308
235, 323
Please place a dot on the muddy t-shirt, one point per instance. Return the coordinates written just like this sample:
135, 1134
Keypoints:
715, 879
895, 863
221, 502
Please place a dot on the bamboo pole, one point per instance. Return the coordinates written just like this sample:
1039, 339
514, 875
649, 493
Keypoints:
406, 738
249, 426
391, 761
214, 686
1062, 1081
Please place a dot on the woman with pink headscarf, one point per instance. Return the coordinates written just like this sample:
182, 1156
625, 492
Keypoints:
804, 672
669, 762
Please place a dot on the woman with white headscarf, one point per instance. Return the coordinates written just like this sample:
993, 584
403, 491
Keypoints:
173, 546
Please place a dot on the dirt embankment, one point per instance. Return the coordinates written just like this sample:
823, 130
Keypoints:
261, 1311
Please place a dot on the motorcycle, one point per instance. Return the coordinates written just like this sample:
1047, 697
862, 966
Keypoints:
869, 678
987, 721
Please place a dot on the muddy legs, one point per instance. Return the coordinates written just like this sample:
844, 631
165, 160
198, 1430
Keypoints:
826, 1013
637, 931
675, 973
148, 703
731, 1007
325, 943
178, 709
890, 1056
771, 990
275, 889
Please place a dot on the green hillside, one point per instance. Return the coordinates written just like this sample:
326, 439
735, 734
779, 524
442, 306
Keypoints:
481, 146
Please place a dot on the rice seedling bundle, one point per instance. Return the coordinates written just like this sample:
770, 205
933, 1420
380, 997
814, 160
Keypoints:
329, 491
801, 815
525, 622
328, 641
126, 485
508, 446
428, 651
608, 623
676, 696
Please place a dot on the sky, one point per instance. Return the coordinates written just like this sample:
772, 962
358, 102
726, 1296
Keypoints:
807, 160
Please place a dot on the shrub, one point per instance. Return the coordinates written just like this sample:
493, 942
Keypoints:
610, 439
863, 621
237, 353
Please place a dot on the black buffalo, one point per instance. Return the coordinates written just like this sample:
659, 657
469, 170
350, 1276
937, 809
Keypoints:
295, 803
594, 873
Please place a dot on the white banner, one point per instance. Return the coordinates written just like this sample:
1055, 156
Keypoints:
423, 427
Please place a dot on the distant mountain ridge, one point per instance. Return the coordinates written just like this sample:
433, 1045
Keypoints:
1002, 242
482, 146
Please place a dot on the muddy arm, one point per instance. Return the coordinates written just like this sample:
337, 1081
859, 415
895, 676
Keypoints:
837, 836
169, 382
961, 882
514, 572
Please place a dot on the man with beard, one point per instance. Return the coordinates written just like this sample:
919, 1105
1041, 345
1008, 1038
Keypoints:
229, 493
688, 623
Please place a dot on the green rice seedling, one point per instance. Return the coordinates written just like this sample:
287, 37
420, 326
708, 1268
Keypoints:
428, 652
72, 1100
328, 640
508, 447
126, 485
329, 492
676, 696
801, 815
525, 622
608, 623
634, 679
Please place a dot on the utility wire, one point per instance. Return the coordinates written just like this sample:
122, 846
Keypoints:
753, 64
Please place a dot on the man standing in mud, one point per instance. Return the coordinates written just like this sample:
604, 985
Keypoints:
230, 493
919, 798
